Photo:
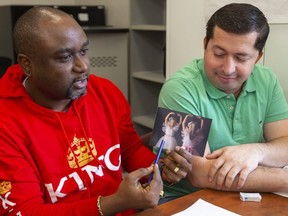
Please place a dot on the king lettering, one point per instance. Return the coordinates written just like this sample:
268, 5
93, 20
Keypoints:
90, 170
6, 202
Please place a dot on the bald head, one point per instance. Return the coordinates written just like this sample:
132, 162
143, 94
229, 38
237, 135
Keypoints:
27, 29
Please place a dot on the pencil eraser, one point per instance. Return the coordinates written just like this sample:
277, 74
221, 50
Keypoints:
256, 197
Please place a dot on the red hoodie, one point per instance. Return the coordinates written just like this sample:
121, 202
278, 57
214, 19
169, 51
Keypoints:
58, 163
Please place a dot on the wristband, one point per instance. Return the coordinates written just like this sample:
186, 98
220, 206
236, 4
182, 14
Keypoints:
99, 206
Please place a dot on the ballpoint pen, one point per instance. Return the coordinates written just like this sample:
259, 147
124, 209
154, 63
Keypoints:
157, 158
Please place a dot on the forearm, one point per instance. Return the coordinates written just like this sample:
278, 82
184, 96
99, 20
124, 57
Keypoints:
275, 152
105, 203
262, 179
265, 179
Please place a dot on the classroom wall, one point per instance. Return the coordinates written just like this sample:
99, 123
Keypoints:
185, 33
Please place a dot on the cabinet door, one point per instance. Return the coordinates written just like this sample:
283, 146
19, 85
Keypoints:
108, 54
276, 53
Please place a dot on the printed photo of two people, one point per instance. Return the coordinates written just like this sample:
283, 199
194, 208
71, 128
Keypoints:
180, 129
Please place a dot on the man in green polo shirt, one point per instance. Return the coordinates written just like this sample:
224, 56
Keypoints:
244, 100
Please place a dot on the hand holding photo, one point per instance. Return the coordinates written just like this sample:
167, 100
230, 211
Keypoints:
186, 130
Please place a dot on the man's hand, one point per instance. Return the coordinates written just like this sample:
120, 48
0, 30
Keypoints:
233, 161
135, 195
177, 165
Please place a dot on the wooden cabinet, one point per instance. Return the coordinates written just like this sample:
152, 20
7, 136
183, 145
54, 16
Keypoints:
108, 54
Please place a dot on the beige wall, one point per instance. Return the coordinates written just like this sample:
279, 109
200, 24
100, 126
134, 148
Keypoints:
185, 33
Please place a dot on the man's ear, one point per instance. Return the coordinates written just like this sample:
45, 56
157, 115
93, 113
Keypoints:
204, 43
25, 64
259, 56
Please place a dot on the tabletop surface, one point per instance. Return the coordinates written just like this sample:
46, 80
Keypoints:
270, 205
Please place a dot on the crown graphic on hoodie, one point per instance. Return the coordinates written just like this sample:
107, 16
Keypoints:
5, 186
81, 152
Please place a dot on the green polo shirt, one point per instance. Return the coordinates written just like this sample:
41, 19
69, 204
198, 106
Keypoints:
233, 121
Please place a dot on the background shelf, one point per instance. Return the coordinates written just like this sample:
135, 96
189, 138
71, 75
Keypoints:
156, 76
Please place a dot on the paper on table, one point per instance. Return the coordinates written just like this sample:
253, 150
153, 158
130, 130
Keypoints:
203, 208
284, 194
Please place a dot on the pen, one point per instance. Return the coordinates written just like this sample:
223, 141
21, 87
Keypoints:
157, 158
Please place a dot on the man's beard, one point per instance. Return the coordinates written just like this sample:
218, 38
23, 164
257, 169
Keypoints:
72, 94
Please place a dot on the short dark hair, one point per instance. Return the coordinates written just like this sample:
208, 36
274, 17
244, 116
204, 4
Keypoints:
239, 18
27, 30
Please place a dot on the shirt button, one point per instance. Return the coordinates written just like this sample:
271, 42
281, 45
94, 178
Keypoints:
231, 107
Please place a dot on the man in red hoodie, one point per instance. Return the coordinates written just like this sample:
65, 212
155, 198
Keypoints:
64, 139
